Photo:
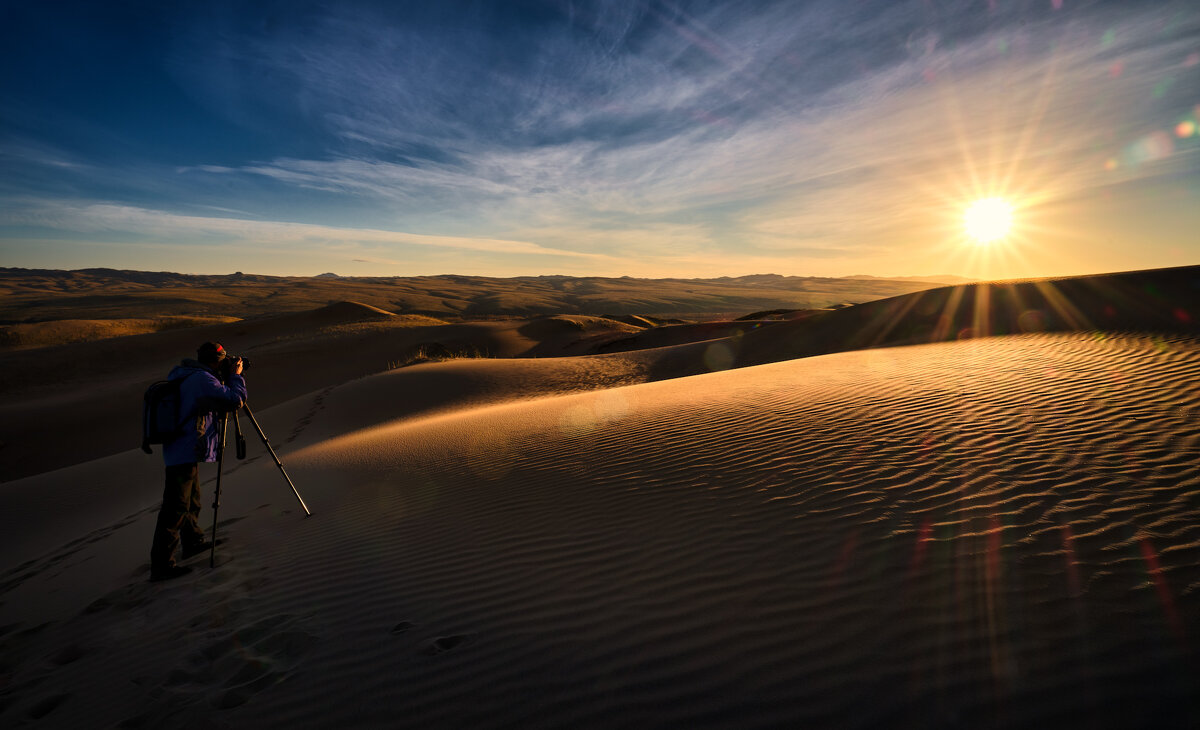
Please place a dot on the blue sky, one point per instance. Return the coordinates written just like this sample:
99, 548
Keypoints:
645, 138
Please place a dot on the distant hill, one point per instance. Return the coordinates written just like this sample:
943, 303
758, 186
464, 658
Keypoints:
39, 295
937, 279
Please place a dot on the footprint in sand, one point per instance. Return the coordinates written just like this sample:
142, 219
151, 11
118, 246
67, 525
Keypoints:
234, 667
444, 644
47, 705
403, 627
318, 404
68, 654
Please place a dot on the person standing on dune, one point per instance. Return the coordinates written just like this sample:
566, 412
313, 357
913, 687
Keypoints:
202, 396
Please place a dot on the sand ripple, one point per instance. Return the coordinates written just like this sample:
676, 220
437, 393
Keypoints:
997, 532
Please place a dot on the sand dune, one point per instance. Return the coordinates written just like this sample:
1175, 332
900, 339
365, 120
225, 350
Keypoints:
88, 395
998, 532
38, 295
1164, 300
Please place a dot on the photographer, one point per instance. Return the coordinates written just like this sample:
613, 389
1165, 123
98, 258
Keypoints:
210, 385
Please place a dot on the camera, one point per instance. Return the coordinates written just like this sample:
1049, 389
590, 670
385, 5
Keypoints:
229, 363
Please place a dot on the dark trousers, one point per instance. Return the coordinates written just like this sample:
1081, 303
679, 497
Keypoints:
179, 517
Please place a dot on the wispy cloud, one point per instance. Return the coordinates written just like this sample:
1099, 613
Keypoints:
823, 134
704, 122
140, 223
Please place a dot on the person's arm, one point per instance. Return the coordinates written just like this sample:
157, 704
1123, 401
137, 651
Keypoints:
222, 397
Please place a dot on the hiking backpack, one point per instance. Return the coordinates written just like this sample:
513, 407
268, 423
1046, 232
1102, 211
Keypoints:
161, 413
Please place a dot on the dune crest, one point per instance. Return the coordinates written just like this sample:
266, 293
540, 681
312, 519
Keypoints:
1164, 300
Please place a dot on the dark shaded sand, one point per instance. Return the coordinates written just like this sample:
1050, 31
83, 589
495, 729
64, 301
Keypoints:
1162, 300
992, 532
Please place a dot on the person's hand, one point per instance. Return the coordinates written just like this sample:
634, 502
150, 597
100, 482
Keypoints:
237, 367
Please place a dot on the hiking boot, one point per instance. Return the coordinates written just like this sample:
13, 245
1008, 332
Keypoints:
175, 571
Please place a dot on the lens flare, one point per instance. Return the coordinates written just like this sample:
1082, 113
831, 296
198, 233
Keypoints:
988, 219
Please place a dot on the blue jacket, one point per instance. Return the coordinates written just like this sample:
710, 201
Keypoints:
201, 397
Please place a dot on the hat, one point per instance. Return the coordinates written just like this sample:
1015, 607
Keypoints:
210, 352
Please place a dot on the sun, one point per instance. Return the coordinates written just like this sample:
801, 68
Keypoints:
988, 219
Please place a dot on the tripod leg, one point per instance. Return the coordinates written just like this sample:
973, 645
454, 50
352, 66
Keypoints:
239, 440
212, 556
278, 463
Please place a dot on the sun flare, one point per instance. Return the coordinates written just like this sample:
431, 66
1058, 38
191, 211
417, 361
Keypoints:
988, 220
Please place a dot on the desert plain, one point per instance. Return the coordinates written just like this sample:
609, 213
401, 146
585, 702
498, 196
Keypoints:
583, 503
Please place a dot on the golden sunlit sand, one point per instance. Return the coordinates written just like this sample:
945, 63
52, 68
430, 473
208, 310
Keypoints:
998, 527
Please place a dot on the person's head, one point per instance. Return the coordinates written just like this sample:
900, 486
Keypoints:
210, 354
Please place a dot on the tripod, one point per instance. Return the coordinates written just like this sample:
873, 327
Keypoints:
240, 443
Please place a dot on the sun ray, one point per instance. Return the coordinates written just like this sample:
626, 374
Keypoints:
945, 325
1062, 306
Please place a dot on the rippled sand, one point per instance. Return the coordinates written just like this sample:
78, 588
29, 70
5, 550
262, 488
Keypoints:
992, 533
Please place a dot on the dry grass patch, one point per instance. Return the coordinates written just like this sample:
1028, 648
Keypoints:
32, 335
437, 352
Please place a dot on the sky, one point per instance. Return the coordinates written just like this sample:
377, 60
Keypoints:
646, 138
